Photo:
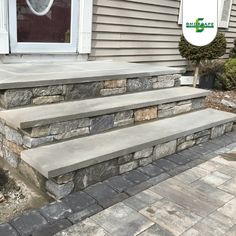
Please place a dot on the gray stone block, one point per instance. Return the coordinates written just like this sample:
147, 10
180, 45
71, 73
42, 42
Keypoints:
15, 98
165, 164
72, 134
63, 179
198, 103
35, 142
185, 145
114, 91
143, 153
85, 90
51, 229
7, 230
101, 191
179, 159
139, 84
41, 131
95, 173
145, 161
138, 188
59, 191
55, 211
164, 149
83, 214
128, 167
102, 123
29, 222
78, 201
48, 91
13, 136
165, 81
47, 100
119, 183
151, 170
136, 176
12, 158
178, 170
158, 179
105, 203
217, 131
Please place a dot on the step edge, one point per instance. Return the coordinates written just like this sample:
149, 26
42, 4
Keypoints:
47, 121
59, 171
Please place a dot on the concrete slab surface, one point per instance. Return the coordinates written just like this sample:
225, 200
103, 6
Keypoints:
35, 75
47, 114
61, 158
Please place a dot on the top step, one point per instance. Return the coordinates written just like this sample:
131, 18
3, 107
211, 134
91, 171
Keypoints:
37, 75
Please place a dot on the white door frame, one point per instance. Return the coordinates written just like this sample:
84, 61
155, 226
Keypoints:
49, 48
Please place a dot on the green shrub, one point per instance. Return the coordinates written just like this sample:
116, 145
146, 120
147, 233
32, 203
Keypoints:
233, 51
227, 80
197, 55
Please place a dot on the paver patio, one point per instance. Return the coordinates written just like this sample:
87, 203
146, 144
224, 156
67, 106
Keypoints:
189, 193
200, 201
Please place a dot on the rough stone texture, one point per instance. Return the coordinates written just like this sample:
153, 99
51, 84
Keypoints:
95, 173
41, 131
229, 127
165, 81
185, 145
128, 167
29, 142
179, 109
139, 84
63, 179
48, 91
27, 223
217, 131
119, 183
13, 135
15, 98
55, 211
124, 118
145, 161
198, 103
59, 191
67, 126
12, 158
73, 133
102, 123
113, 91
115, 83
145, 114
165, 149
81, 91
125, 159
143, 153
47, 100
12, 146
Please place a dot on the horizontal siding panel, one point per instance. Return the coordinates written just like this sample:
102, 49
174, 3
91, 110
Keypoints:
134, 29
142, 31
136, 6
100, 10
131, 44
134, 22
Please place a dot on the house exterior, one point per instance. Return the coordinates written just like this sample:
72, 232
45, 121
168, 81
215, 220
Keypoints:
145, 31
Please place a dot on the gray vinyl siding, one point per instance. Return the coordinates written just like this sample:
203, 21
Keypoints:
141, 31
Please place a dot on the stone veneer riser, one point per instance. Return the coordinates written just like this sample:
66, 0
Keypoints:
12, 141
12, 98
61, 186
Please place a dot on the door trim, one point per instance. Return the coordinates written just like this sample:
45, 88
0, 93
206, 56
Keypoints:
49, 48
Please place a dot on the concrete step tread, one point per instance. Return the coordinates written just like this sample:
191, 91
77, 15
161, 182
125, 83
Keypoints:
35, 75
61, 158
47, 114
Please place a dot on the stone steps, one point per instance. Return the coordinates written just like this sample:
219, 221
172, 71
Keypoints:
27, 84
78, 118
90, 159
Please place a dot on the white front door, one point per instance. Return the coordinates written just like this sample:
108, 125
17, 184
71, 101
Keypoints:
43, 26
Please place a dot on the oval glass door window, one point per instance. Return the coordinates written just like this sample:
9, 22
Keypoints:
44, 21
40, 7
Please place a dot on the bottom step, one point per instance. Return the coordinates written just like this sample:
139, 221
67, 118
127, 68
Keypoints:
125, 149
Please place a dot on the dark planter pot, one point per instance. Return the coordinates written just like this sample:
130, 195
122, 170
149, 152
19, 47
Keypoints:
207, 81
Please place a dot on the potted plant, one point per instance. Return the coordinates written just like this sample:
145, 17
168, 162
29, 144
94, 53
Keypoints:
198, 55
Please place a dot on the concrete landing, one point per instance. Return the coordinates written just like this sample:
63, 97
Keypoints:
36, 116
35, 75
53, 160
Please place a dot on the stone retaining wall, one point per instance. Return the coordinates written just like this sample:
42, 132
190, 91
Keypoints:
12, 141
53, 94
63, 185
